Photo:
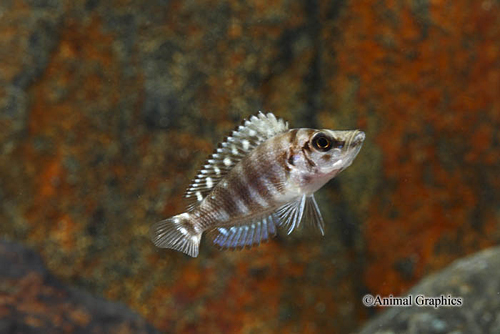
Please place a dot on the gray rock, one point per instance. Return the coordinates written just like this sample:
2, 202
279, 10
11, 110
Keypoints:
475, 279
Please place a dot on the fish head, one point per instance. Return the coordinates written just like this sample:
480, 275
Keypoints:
335, 150
323, 154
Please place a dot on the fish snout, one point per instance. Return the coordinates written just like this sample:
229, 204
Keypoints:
358, 138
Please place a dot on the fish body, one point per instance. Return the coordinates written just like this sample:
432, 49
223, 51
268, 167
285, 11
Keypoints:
262, 177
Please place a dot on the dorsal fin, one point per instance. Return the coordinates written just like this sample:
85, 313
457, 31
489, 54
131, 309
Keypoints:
232, 150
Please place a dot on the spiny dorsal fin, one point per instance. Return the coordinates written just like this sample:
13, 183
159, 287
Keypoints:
232, 150
248, 235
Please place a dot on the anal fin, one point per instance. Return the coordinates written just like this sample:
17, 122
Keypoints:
248, 235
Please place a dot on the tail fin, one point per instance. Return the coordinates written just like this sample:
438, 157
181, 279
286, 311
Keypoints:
177, 232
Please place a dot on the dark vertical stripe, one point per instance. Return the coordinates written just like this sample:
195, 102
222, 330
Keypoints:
309, 161
225, 201
240, 190
254, 179
292, 136
272, 170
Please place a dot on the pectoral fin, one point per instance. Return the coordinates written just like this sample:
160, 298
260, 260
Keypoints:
304, 209
312, 215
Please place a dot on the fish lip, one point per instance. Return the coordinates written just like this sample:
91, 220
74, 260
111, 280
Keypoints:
358, 138
355, 146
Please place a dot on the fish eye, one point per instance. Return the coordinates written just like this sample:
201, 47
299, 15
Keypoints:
322, 142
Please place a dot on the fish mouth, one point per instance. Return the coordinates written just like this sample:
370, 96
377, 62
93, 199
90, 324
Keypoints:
358, 138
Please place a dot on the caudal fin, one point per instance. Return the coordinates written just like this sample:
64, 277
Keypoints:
176, 233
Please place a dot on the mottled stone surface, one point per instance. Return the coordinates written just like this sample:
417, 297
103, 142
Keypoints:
475, 279
33, 301
108, 108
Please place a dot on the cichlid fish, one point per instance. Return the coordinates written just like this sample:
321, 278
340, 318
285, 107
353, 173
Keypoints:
261, 177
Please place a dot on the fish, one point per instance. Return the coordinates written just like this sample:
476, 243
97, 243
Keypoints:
262, 177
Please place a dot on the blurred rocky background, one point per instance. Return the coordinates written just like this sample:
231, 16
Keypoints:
32, 301
108, 108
